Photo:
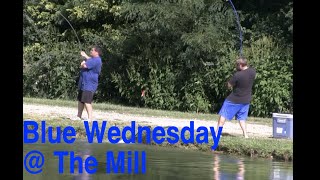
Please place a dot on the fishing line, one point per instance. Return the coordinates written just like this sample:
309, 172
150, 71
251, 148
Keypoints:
240, 33
72, 29
239, 26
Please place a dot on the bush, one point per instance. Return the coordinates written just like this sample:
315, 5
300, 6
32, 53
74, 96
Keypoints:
272, 91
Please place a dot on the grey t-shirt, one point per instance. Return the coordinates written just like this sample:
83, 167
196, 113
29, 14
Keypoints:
242, 82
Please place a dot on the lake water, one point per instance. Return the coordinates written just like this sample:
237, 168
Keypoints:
161, 163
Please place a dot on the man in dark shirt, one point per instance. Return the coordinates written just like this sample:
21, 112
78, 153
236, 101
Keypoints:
238, 102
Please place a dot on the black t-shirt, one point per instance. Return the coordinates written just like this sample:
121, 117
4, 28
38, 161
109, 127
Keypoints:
242, 82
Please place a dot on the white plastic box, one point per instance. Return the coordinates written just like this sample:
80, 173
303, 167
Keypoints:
282, 125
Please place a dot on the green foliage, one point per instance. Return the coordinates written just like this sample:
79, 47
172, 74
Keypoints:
194, 98
169, 42
50, 71
278, 23
160, 46
51, 50
273, 85
161, 92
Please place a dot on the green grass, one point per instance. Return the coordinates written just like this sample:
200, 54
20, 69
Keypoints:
281, 149
141, 111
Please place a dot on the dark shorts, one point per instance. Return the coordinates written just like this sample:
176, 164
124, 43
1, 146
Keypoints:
230, 110
85, 96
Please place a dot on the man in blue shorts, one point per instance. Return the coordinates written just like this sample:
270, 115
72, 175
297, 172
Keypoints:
238, 102
88, 82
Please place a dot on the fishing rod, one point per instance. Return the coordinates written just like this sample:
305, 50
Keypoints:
80, 46
36, 29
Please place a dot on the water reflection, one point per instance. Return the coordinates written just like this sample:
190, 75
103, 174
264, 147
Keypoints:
280, 171
220, 174
240, 175
80, 173
162, 163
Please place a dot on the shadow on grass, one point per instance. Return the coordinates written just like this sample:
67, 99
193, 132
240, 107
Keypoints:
227, 134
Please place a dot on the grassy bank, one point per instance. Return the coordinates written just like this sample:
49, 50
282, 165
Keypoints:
279, 149
140, 111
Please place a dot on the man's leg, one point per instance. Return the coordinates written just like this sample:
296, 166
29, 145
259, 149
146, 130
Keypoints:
80, 105
242, 116
244, 128
221, 122
80, 108
89, 110
88, 98
227, 111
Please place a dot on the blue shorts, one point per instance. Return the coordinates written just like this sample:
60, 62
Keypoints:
230, 109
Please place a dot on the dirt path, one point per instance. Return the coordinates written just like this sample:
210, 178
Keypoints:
254, 130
